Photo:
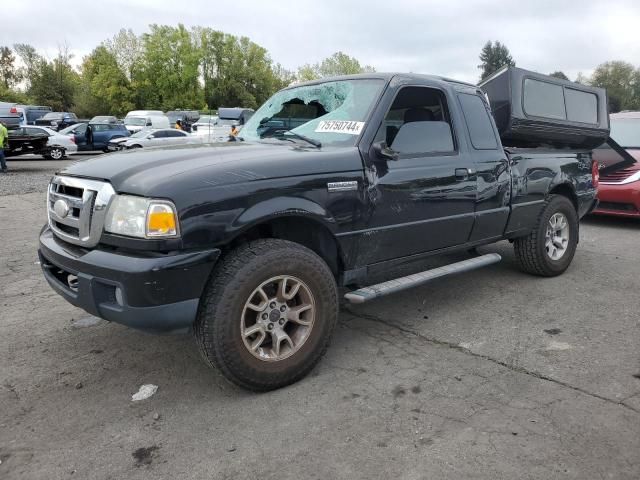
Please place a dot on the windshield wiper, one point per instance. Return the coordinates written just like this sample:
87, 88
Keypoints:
310, 140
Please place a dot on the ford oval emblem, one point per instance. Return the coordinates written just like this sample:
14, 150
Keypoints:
61, 208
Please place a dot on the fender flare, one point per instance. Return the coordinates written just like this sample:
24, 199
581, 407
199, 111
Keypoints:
282, 207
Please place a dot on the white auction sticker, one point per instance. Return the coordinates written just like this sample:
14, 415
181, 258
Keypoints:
340, 126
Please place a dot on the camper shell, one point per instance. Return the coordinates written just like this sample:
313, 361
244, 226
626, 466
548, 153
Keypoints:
532, 109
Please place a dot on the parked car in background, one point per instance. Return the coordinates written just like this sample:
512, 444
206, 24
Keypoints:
186, 117
9, 115
74, 129
104, 119
143, 113
220, 130
40, 140
205, 121
234, 116
95, 136
57, 120
619, 190
135, 124
165, 137
30, 113
135, 120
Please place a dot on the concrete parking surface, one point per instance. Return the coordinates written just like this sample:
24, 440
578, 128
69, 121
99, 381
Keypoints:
492, 374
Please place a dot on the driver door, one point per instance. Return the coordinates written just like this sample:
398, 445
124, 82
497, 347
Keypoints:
425, 198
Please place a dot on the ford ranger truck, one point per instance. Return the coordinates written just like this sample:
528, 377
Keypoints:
331, 184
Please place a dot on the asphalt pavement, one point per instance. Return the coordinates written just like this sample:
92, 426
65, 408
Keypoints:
493, 374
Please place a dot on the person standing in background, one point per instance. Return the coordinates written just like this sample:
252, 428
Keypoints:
4, 142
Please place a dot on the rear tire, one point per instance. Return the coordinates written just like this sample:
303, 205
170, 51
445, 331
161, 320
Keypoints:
243, 296
549, 249
56, 153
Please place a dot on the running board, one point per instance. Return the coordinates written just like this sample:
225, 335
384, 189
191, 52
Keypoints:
403, 283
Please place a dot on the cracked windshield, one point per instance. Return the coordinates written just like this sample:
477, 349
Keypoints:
331, 113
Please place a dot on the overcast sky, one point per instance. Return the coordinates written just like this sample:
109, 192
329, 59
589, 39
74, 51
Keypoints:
437, 37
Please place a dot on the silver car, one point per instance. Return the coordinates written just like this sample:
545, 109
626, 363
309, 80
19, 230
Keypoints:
164, 137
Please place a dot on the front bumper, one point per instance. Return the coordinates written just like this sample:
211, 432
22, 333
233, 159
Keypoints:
621, 200
155, 292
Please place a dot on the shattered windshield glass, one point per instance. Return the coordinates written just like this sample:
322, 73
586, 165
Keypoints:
332, 113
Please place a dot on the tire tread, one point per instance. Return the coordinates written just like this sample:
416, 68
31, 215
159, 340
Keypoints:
218, 354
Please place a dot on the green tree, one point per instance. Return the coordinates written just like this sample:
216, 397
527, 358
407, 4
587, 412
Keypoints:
9, 74
167, 76
337, 64
236, 71
104, 87
307, 72
283, 77
342, 64
14, 96
127, 48
559, 74
31, 60
55, 82
493, 57
622, 82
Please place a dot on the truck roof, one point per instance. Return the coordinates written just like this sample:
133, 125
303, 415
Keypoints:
387, 76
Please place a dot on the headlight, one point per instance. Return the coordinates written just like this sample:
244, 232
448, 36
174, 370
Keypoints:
141, 217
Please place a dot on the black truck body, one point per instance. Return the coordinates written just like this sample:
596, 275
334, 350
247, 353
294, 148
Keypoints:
357, 204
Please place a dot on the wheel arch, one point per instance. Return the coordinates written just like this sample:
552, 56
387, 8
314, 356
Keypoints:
566, 190
307, 225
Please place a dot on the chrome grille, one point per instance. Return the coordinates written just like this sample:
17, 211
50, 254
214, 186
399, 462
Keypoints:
76, 208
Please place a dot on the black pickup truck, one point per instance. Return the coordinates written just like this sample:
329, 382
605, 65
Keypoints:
247, 243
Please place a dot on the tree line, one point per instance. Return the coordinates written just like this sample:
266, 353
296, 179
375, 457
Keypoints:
165, 68
621, 79
201, 68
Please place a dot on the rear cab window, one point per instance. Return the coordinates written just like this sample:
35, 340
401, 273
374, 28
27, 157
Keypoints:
478, 122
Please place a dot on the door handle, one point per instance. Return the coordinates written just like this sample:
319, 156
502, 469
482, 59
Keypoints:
463, 173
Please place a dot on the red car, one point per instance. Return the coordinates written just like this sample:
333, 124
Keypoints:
619, 190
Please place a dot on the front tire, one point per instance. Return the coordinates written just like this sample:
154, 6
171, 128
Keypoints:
267, 314
549, 249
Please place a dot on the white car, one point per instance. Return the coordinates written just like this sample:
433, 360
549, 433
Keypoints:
212, 129
57, 145
165, 137
138, 120
206, 121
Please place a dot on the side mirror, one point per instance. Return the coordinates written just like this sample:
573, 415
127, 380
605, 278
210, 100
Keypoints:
148, 124
382, 151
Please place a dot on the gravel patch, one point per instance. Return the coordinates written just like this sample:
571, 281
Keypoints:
31, 173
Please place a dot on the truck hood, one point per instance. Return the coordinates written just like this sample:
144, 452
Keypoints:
156, 172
